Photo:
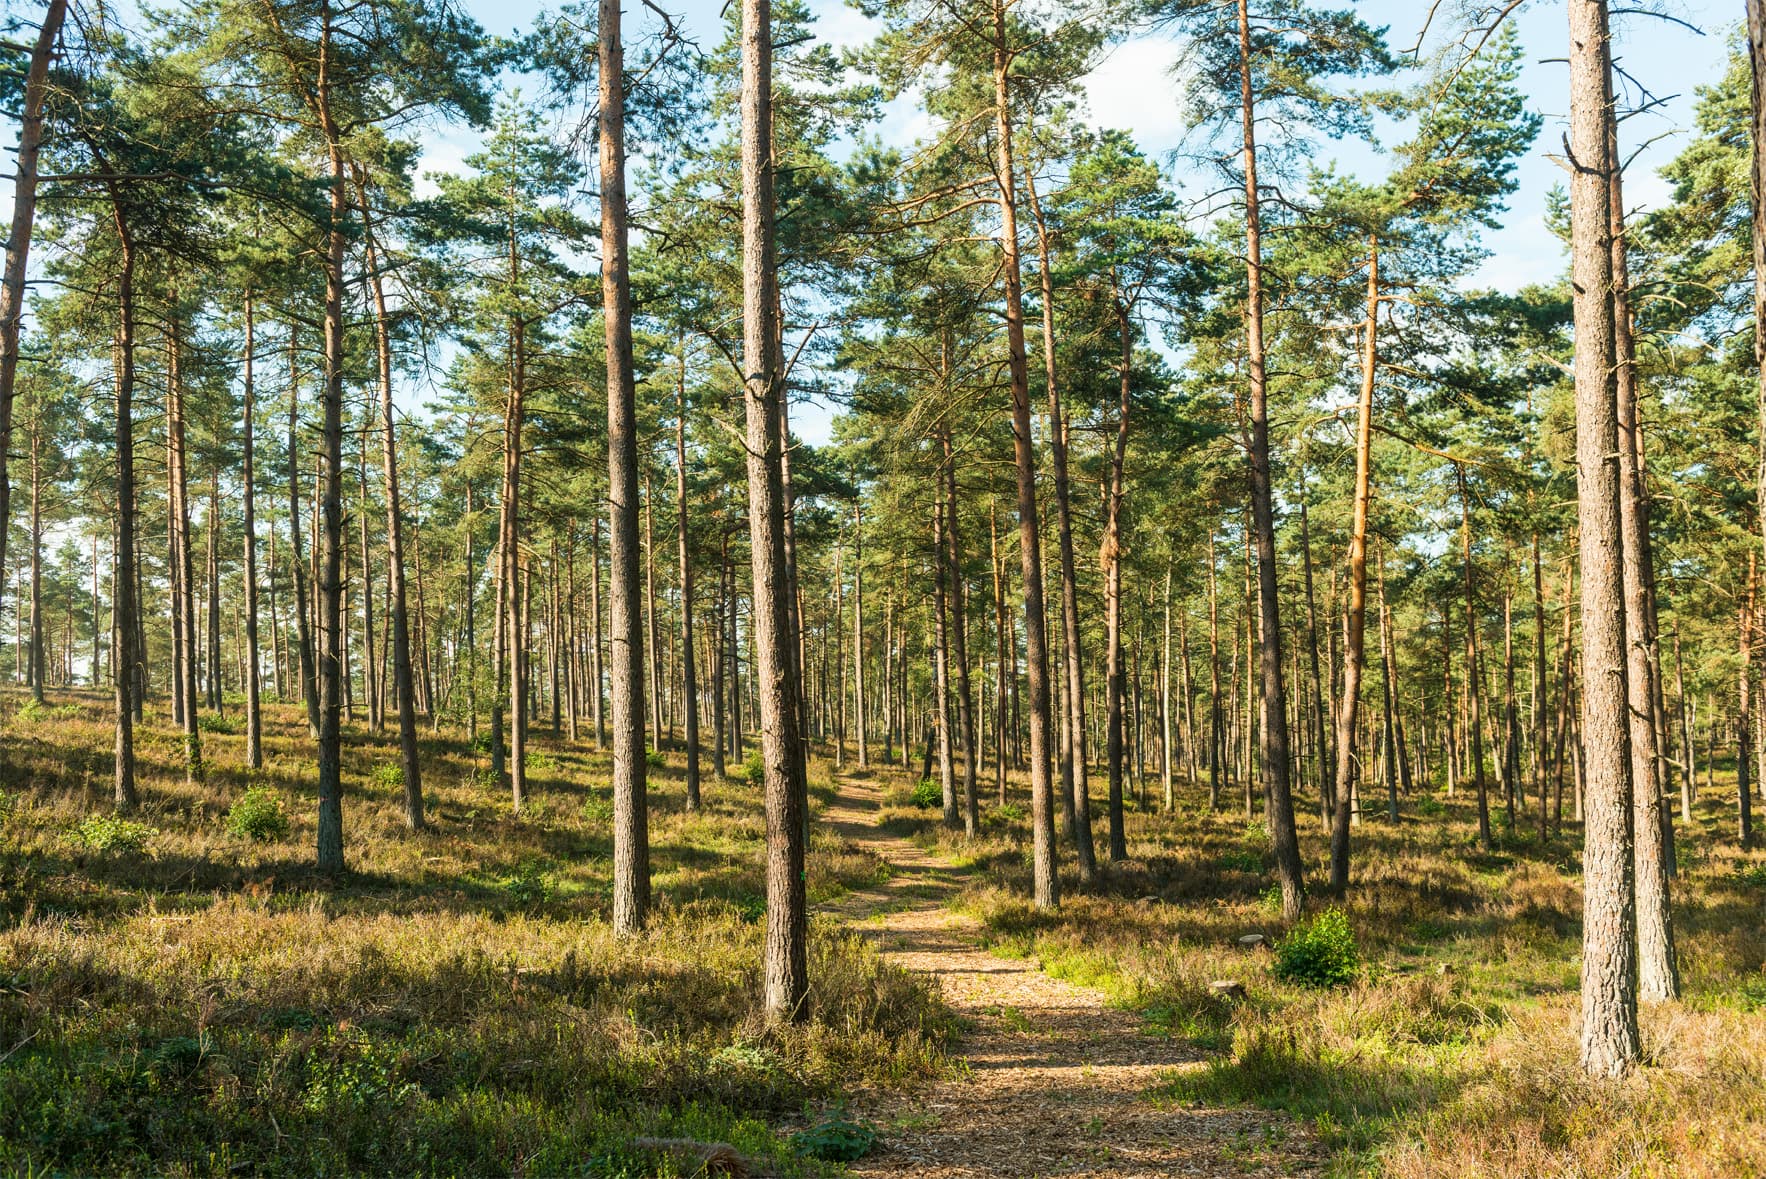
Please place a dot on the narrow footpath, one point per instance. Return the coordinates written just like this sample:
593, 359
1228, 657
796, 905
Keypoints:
1055, 1078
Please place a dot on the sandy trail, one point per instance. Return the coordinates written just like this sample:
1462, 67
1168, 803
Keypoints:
1055, 1077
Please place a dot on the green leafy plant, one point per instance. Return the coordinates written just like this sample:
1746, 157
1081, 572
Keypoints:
221, 722
1008, 812
389, 775
530, 885
753, 769
1319, 953
34, 712
258, 814
656, 759
108, 833
928, 794
1752, 875
836, 1138
541, 762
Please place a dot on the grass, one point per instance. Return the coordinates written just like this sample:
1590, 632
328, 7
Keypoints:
192, 1000
1453, 1051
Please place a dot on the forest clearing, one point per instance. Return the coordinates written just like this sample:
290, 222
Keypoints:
945, 588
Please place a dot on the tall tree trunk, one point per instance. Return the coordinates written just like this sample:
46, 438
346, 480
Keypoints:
35, 670
858, 630
371, 686
185, 599
254, 720
1275, 718
18, 248
959, 611
941, 664
1348, 765
1658, 975
785, 967
1322, 753
1388, 692
1075, 793
1744, 721
650, 626
125, 598
403, 681
1216, 723
689, 673
1610, 1044
330, 587
309, 685
1047, 884
1474, 695
1115, 679
631, 835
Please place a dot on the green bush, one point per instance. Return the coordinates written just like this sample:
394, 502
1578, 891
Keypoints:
836, 1138
32, 711
530, 885
258, 814
217, 722
656, 759
1319, 953
1006, 812
753, 769
540, 762
928, 794
389, 775
107, 833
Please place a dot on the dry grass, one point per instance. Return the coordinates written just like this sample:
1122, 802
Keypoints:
1454, 1053
456, 1005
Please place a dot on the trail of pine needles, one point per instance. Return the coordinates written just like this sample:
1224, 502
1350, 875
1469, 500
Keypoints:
1054, 1076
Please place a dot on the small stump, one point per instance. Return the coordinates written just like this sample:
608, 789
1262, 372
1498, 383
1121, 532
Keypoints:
1251, 941
1229, 989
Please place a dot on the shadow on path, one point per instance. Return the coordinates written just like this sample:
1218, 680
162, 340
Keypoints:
1054, 1078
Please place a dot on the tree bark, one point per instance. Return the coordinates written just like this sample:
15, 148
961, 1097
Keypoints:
631, 857
124, 598
785, 967
689, 673
1610, 1043
403, 681
1047, 883
1274, 714
1075, 793
254, 720
18, 243
1115, 678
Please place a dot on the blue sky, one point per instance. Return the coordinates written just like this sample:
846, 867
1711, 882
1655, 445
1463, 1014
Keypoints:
1131, 89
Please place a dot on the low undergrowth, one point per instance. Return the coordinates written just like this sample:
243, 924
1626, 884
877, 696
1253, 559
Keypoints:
1445, 1045
190, 1000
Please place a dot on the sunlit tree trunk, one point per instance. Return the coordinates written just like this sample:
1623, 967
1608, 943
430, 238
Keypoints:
631, 857
1610, 1044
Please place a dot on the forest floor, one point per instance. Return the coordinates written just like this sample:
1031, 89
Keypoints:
1054, 1078
181, 995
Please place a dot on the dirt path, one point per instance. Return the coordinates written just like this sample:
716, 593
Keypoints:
1055, 1077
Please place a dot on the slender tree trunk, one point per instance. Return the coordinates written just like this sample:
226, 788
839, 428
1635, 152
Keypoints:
689, 673
1275, 719
785, 967
631, 857
1610, 1044
1658, 975
1075, 792
371, 686
858, 631
330, 587
18, 247
185, 598
1355, 620
941, 666
254, 721
1474, 694
125, 597
1115, 679
403, 681
1216, 726
1046, 881
959, 610
1744, 721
